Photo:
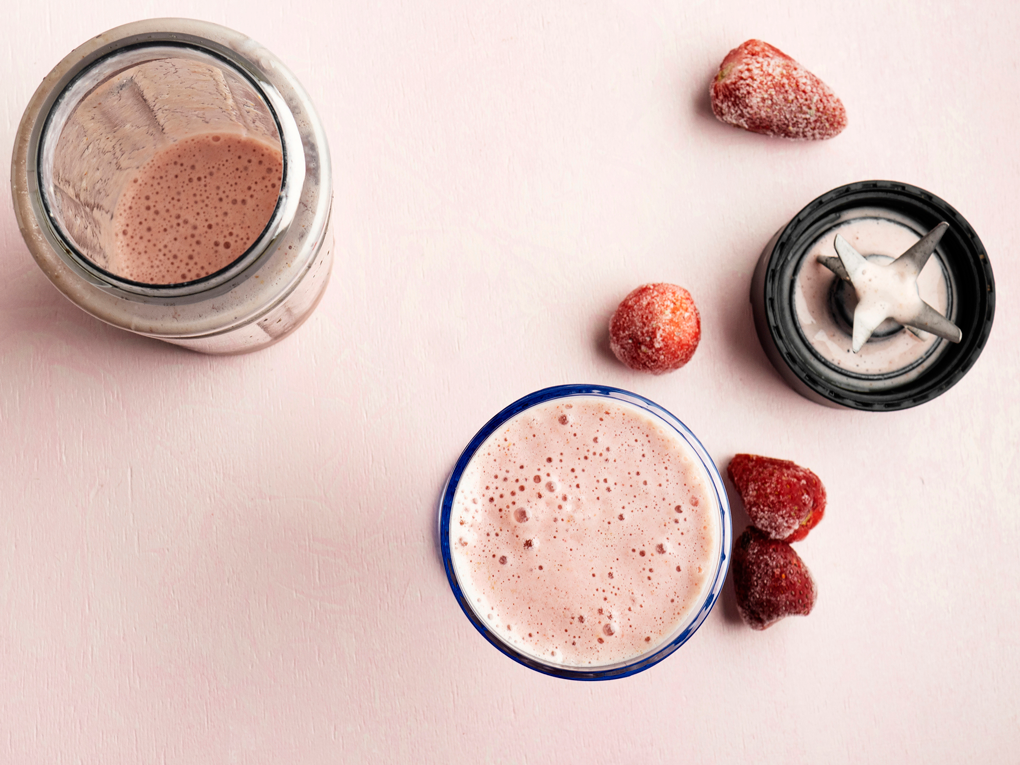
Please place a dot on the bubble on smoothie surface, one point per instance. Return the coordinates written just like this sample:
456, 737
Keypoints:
600, 568
195, 208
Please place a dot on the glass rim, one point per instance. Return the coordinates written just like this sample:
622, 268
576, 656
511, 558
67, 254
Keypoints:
48, 139
710, 594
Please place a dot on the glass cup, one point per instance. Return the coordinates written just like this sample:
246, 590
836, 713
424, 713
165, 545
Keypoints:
121, 99
688, 450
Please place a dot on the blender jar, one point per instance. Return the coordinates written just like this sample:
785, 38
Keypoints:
113, 105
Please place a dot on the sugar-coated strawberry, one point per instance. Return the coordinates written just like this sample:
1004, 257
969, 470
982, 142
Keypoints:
761, 89
656, 328
783, 499
770, 579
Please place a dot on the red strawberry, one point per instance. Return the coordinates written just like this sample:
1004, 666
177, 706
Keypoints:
656, 328
783, 499
761, 89
770, 579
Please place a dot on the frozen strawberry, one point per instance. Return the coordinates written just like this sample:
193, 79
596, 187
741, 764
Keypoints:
761, 89
783, 499
656, 328
770, 579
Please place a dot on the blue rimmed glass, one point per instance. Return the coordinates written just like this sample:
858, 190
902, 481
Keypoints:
697, 614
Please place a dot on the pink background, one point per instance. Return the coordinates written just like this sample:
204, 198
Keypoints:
214, 560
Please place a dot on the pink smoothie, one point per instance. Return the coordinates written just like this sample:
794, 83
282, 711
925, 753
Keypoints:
195, 207
584, 532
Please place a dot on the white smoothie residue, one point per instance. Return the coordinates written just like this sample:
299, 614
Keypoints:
585, 532
870, 232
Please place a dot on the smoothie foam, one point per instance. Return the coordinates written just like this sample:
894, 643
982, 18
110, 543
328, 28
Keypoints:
195, 208
584, 532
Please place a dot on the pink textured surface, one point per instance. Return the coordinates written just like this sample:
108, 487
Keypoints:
233, 560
